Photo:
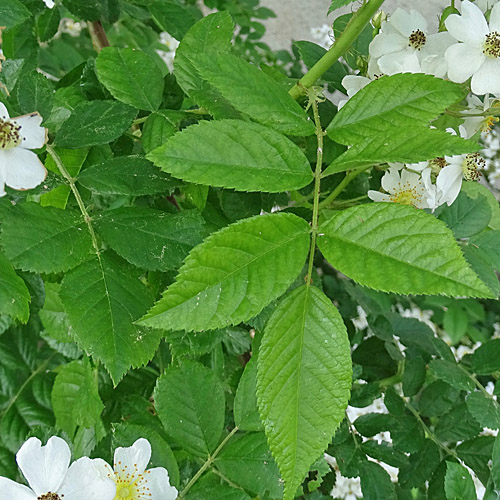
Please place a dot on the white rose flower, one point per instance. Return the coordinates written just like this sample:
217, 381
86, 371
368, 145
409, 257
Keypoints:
404, 46
133, 481
405, 187
353, 84
20, 168
50, 477
477, 54
477, 121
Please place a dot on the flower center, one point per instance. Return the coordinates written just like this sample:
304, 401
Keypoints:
437, 164
130, 484
406, 197
417, 39
9, 134
488, 123
50, 496
471, 165
491, 45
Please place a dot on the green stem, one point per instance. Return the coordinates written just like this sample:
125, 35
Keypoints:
138, 121
76, 193
345, 181
317, 184
350, 202
208, 463
26, 382
429, 433
338, 49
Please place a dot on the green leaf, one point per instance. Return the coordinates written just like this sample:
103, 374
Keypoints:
127, 175
256, 94
210, 487
466, 216
173, 17
189, 400
495, 464
12, 13
51, 240
246, 413
234, 274
151, 239
159, 127
93, 123
211, 34
476, 453
89, 10
397, 248
484, 409
336, 4
399, 101
47, 24
452, 374
247, 462
35, 93
234, 154
421, 466
14, 295
303, 381
103, 297
376, 483
458, 484
486, 359
407, 145
75, 397
132, 77
456, 425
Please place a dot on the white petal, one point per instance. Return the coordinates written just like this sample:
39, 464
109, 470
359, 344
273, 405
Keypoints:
410, 178
487, 77
134, 459
463, 60
86, 481
159, 484
449, 182
495, 18
406, 22
400, 62
391, 181
34, 136
418, 167
386, 44
378, 196
354, 83
2, 178
23, 169
470, 27
44, 467
3, 111
10, 490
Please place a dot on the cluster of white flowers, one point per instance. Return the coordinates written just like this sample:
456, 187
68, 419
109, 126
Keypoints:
469, 49
50, 476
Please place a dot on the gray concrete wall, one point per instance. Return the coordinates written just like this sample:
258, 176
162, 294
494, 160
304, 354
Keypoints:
295, 18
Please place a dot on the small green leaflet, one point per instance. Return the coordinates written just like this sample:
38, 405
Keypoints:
407, 145
393, 102
132, 76
103, 297
246, 413
303, 381
14, 295
89, 10
47, 24
458, 484
376, 483
255, 94
93, 123
35, 92
12, 13
212, 33
75, 397
173, 17
128, 175
234, 274
189, 400
57, 240
400, 249
234, 154
159, 127
336, 4
486, 359
151, 239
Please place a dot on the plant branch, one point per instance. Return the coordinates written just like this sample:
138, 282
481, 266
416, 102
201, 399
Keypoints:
339, 48
317, 182
76, 193
208, 463
342, 185
98, 35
